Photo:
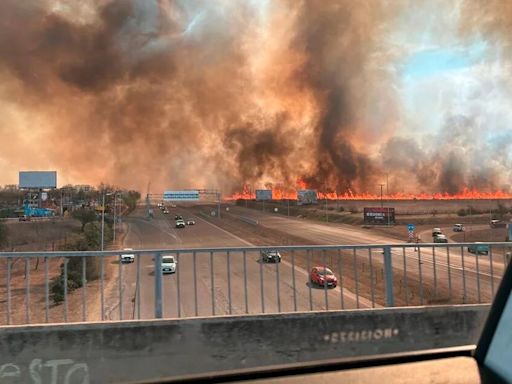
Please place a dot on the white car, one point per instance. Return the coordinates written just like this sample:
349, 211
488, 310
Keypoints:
436, 231
168, 264
127, 257
440, 239
191, 222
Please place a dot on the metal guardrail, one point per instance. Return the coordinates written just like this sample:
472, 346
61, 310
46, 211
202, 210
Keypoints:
221, 281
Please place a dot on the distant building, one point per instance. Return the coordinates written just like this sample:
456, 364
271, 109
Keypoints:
11, 187
83, 187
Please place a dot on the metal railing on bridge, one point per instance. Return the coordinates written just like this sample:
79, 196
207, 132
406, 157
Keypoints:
42, 287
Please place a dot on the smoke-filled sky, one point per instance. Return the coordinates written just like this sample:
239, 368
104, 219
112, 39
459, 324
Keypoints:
191, 94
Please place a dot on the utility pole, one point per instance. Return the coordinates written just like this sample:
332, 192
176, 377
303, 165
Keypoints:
326, 212
387, 184
381, 202
337, 201
102, 219
114, 225
218, 200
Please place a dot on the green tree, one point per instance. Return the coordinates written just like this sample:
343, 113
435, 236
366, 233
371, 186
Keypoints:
92, 233
130, 198
85, 216
4, 235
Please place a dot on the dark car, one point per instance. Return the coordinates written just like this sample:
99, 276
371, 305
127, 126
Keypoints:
323, 276
479, 248
178, 217
497, 224
271, 256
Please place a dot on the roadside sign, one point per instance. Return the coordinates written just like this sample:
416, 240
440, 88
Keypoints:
410, 227
187, 195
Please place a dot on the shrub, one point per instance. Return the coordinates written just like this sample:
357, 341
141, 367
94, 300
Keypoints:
461, 212
3, 235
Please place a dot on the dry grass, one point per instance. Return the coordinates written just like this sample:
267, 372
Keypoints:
30, 306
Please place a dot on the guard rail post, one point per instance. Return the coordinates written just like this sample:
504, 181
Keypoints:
388, 275
158, 285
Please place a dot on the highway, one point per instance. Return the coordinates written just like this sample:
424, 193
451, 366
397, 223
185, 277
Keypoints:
445, 274
269, 288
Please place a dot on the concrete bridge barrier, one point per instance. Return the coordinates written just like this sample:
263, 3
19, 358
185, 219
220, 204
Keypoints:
139, 350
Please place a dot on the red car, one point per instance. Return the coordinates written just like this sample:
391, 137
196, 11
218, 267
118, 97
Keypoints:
323, 276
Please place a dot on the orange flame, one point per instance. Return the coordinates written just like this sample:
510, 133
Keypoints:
466, 194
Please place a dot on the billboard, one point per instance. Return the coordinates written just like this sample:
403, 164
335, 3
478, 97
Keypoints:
307, 196
192, 195
38, 179
263, 194
379, 215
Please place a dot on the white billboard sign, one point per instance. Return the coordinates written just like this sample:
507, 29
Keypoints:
38, 179
192, 195
307, 196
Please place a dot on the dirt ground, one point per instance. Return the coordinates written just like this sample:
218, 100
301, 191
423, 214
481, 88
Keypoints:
28, 236
29, 305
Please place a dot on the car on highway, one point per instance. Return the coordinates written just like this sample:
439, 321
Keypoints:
440, 239
323, 276
436, 231
497, 224
180, 223
270, 256
479, 248
458, 228
173, 205
168, 264
165, 211
191, 222
178, 217
127, 257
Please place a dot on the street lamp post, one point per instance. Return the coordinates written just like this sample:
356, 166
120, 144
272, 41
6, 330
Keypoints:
381, 202
103, 219
114, 226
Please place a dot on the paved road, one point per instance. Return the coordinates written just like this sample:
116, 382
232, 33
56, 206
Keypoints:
268, 288
452, 273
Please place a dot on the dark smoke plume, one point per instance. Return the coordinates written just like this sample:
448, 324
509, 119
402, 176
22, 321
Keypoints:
190, 94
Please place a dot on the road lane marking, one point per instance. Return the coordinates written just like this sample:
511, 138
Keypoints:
350, 295
226, 232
